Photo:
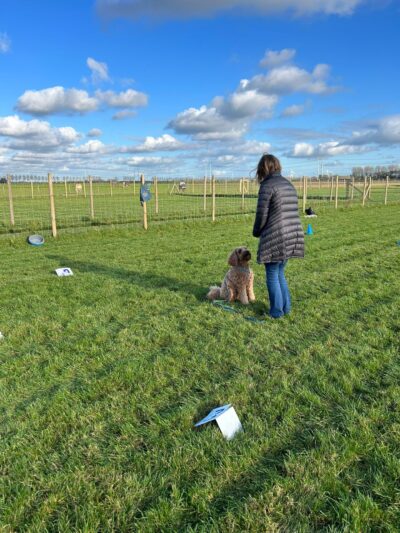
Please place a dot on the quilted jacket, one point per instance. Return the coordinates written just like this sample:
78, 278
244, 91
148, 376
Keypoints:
277, 222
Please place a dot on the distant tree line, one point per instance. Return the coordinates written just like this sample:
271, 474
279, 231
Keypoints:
378, 172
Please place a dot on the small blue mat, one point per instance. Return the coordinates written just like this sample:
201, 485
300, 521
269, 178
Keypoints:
35, 240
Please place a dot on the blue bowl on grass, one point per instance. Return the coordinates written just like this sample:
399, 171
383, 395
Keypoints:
35, 240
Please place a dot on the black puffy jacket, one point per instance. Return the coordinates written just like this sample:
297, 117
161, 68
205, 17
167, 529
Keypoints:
277, 222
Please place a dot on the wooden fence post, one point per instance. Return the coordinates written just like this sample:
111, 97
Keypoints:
386, 189
155, 179
226, 186
243, 190
370, 187
84, 187
365, 191
304, 193
91, 197
144, 206
134, 186
213, 198
336, 192
32, 189
307, 186
331, 196
66, 187
205, 194
352, 188
10, 201
52, 206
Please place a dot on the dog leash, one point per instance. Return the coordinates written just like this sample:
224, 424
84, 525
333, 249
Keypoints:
223, 305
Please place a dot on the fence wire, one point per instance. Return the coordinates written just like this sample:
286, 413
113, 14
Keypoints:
25, 203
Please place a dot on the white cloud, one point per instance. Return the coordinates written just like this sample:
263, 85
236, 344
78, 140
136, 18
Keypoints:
229, 160
276, 58
35, 134
227, 135
99, 70
289, 79
149, 161
56, 100
125, 113
245, 103
303, 150
205, 8
129, 98
5, 43
293, 110
254, 99
383, 132
225, 118
206, 123
94, 132
165, 142
90, 147
328, 149
254, 147
13, 126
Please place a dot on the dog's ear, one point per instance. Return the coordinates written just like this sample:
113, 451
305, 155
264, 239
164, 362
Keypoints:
233, 259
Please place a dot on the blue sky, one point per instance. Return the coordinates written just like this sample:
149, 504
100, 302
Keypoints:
184, 87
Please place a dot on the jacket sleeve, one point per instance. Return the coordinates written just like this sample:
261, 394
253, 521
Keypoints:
264, 199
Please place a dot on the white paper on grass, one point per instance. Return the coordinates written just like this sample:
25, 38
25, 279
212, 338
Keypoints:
64, 271
226, 418
1, 336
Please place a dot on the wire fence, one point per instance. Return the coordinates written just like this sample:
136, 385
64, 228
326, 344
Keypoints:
52, 203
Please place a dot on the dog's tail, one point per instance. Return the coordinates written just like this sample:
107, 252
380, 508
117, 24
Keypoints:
214, 293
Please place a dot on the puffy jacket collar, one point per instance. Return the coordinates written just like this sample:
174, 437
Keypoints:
270, 176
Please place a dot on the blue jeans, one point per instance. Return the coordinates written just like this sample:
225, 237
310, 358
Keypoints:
278, 290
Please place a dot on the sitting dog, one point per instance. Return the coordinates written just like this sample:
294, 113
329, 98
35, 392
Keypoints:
238, 282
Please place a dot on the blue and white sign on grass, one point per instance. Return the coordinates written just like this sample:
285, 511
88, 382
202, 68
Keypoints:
226, 418
64, 271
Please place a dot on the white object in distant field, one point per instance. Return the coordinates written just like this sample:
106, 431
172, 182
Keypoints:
65, 271
1, 336
227, 420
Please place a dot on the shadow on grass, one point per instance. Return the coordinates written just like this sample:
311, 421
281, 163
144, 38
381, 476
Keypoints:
259, 478
146, 280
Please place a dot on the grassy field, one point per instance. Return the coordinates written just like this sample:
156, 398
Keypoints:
102, 376
116, 204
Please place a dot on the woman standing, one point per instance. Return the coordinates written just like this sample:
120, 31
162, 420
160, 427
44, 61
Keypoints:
278, 226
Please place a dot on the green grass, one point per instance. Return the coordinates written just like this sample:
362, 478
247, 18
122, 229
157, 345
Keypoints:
102, 376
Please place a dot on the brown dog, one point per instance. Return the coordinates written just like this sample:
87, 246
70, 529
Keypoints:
238, 282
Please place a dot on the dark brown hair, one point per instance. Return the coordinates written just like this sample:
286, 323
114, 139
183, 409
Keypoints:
268, 164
